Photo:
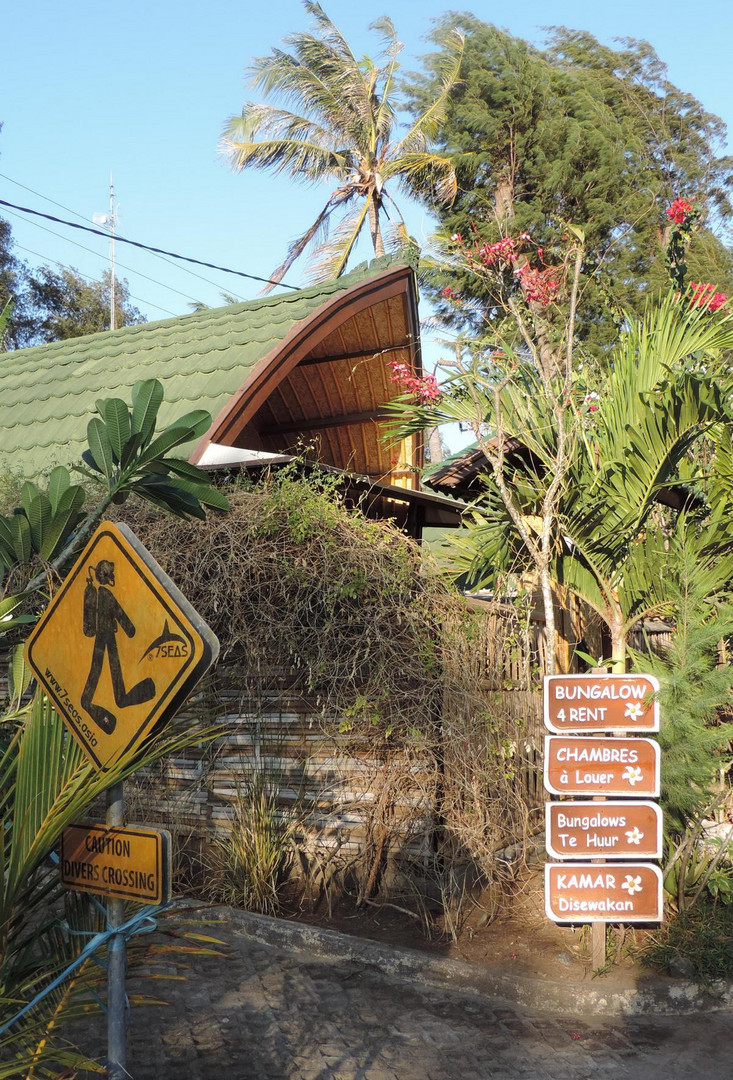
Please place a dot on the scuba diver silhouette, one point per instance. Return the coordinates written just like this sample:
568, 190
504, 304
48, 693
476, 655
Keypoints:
102, 616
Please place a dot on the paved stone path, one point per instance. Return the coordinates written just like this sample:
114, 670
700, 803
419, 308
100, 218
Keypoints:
261, 1013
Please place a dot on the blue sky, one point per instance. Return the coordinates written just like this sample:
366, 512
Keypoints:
143, 89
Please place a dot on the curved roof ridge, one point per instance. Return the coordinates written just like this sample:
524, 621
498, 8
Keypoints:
51, 390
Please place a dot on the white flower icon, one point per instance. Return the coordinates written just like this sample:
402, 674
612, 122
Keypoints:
632, 884
633, 774
635, 835
633, 710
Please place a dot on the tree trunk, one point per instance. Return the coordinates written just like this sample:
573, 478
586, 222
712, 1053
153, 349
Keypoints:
504, 200
374, 227
436, 450
548, 604
618, 646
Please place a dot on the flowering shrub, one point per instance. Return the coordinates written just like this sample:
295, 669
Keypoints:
705, 295
503, 251
538, 284
678, 211
425, 389
685, 219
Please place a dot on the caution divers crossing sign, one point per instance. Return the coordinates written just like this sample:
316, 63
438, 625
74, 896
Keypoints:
119, 647
128, 862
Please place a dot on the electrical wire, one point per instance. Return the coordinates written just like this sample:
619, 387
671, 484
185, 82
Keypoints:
145, 247
91, 251
73, 270
81, 217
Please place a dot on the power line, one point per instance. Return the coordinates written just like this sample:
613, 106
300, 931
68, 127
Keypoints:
86, 277
81, 217
145, 247
83, 247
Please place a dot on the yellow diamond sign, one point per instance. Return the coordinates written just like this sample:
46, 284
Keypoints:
119, 647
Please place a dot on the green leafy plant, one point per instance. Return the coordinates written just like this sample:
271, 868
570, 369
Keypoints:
695, 689
702, 936
247, 865
127, 456
39, 526
45, 781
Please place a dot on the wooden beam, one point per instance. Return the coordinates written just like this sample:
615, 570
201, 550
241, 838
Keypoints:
319, 423
364, 354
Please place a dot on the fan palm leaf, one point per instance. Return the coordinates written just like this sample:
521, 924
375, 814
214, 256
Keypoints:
669, 386
46, 783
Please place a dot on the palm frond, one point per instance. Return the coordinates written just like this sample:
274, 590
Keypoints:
301, 160
321, 73
46, 783
312, 79
317, 232
424, 173
488, 552
333, 255
383, 118
426, 128
258, 121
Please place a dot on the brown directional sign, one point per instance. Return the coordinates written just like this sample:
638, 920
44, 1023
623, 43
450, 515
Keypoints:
128, 862
611, 830
589, 892
119, 648
588, 703
578, 766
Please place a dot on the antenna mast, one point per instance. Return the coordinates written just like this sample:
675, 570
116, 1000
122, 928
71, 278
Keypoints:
111, 220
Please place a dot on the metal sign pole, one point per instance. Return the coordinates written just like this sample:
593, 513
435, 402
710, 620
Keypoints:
116, 959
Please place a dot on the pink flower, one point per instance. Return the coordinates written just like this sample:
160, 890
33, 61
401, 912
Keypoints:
678, 211
503, 251
538, 286
425, 389
704, 295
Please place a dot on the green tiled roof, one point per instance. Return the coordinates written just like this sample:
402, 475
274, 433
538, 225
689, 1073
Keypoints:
48, 393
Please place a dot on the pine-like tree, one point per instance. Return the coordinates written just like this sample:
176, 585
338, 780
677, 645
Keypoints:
582, 133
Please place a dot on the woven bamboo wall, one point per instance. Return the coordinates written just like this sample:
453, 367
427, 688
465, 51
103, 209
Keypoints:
346, 793
337, 792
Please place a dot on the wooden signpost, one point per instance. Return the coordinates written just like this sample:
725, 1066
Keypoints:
609, 830
593, 892
118, 650
594, 703
581, 758
576, 765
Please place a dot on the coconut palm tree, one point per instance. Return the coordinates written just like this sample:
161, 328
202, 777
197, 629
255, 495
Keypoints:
344, 134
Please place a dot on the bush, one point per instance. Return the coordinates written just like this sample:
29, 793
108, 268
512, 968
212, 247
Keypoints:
315, 604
